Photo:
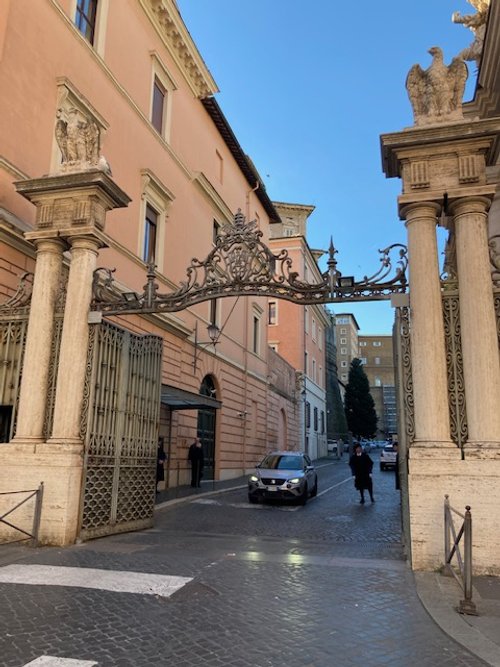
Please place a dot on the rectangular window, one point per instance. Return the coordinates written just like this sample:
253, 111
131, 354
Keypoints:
215, 231
308, 414
85, 18
322, 421
362, 343
306, 363
343, 341
377, 343
344, 376
306, 320
315, 419
377, 361
343, 350
150, 234
158, 108
343, 364
363, 360
314, 370
220, 166
313, 329
256, 334
343, 330
272, 311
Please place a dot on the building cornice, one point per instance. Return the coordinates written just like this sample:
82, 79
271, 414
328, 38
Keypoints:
166, 18
242, 160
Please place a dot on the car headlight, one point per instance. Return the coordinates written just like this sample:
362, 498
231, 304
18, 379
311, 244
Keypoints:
253, 478
295, 480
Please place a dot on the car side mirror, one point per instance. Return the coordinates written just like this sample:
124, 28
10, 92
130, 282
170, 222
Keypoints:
308, 468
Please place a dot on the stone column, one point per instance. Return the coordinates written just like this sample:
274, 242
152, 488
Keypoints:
36, 362
74, 340
477, 321
430, 391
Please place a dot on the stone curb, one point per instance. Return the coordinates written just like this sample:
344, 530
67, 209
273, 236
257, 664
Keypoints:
439, 599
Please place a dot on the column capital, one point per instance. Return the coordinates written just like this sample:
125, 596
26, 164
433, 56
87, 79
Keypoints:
86, 242
417, 210
47, 243
471, 204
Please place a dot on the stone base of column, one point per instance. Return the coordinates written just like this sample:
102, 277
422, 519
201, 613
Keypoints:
472, 482
23, 466
436, 449
482, 450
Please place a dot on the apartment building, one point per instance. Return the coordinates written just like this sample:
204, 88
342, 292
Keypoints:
376, 354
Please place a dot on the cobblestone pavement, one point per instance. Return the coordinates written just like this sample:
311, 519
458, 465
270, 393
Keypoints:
323, 585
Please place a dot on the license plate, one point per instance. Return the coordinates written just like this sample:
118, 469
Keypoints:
272, 488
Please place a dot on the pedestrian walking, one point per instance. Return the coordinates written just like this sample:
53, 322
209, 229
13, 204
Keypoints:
361, 467
160, 461
196, 458
396, 466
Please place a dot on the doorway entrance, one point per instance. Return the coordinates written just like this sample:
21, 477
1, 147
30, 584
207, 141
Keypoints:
206, 427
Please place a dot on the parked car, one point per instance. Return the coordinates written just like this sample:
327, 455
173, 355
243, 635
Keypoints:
388, 458
284, 476
334, 447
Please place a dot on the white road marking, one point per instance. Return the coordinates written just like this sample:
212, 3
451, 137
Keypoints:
84, 577
348, 479
52, 661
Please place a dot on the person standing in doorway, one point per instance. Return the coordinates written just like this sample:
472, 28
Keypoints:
361, 467
196, 458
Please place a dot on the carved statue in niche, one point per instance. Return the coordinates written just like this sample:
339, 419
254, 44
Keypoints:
477, 23
78, 138
436, 93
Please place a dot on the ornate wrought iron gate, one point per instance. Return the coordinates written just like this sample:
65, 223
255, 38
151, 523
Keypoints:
119, 428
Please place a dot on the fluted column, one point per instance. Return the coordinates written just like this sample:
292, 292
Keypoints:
430, 391
36, 362
74, 340
477, 321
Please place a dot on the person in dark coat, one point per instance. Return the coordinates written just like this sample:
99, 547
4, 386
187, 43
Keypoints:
361, 468
396, 467
197, 461
160, 470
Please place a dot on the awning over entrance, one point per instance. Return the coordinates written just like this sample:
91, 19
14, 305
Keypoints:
180, 399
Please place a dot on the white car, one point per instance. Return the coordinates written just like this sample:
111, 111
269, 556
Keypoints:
388, 458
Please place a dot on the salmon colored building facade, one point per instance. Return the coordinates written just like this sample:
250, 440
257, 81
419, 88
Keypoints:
132, 75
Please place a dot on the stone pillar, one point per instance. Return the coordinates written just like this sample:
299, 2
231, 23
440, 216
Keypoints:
74, 340
477, 321
36, 361
430, 391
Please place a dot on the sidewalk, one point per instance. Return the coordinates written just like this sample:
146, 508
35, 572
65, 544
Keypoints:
439, 594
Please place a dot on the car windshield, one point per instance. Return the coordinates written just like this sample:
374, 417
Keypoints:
282, 462
388, 448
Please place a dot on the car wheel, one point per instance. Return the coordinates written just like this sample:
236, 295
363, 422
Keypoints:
382, 466
314, 491
252, 499
303, 497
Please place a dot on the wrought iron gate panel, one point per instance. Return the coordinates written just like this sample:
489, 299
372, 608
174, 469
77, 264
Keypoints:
119, 427
455, 368
13, 329
407, 377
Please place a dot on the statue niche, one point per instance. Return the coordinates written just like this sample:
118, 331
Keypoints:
78, 138
477, 23
436, 93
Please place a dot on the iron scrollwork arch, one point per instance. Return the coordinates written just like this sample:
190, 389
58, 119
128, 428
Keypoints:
241, 264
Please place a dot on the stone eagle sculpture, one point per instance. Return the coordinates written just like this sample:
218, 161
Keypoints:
436, 93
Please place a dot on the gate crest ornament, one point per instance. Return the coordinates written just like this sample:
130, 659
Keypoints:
240, 264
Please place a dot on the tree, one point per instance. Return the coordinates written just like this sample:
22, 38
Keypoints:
359, 404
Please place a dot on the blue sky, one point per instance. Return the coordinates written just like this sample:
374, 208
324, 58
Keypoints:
308, 87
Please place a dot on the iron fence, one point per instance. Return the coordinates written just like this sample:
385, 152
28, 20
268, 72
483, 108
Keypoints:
34, 493
452, 540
